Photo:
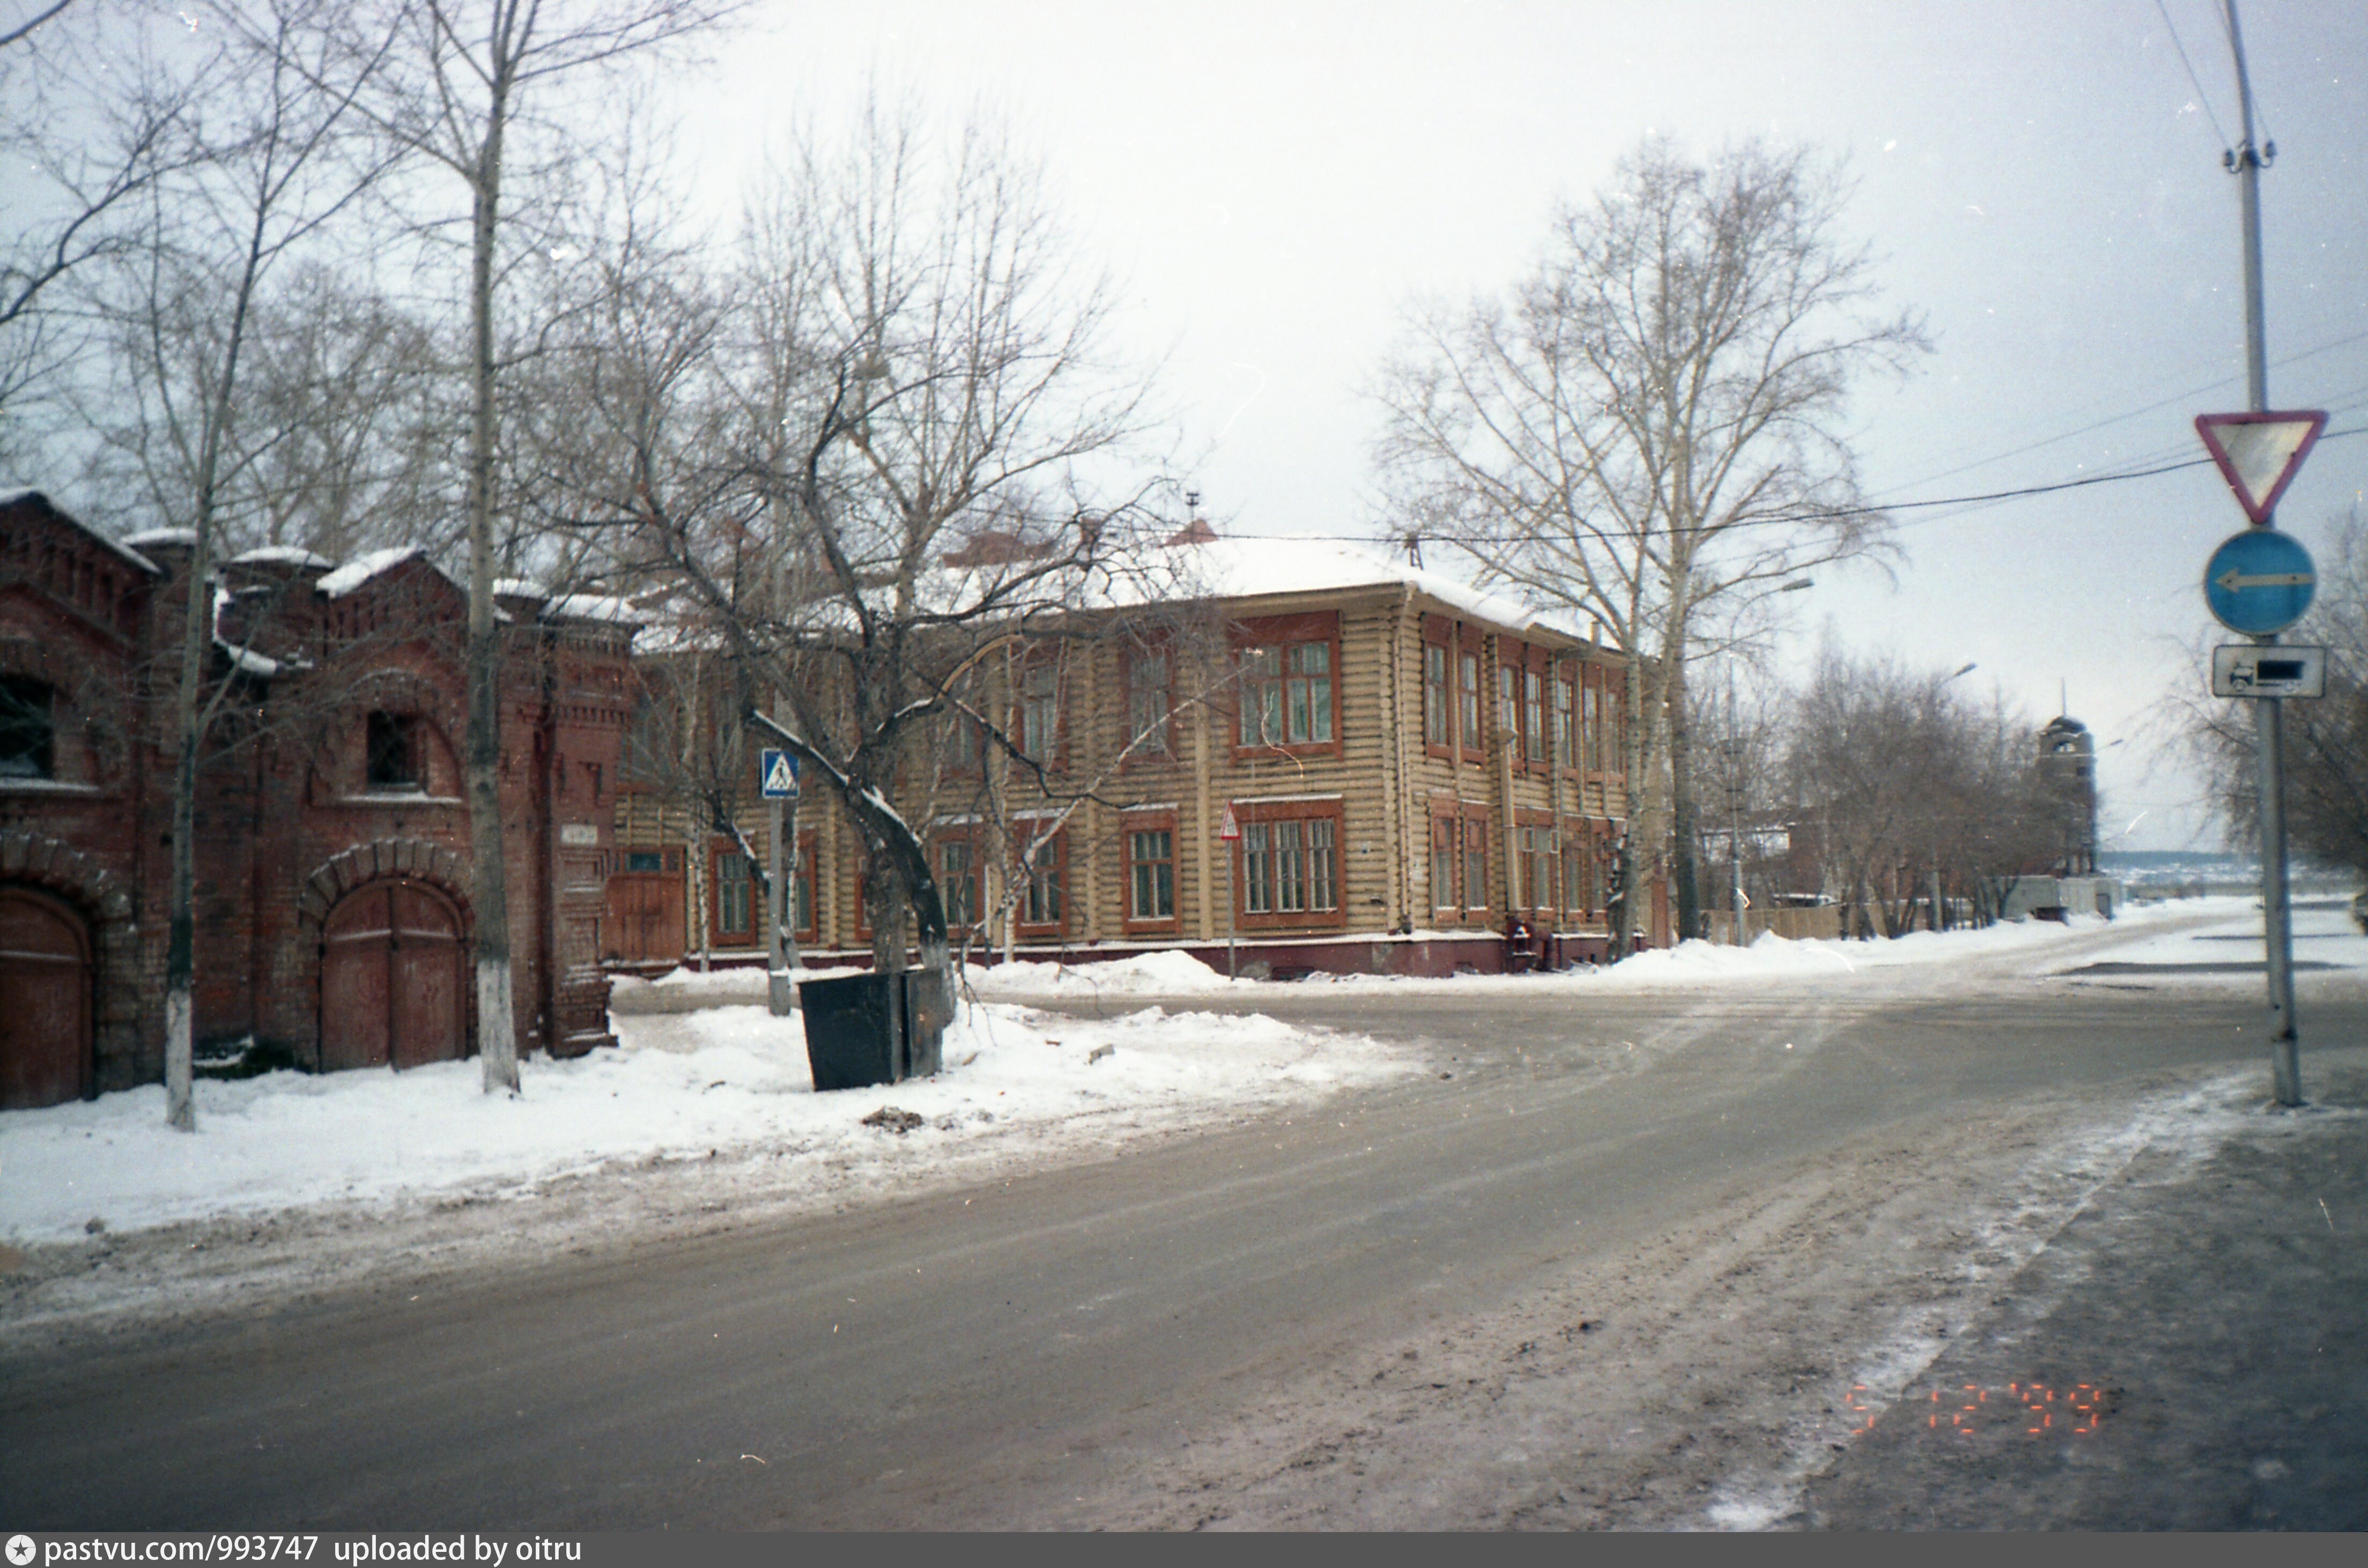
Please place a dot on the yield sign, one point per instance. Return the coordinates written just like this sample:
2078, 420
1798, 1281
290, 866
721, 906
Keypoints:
2258, 453
1229, 829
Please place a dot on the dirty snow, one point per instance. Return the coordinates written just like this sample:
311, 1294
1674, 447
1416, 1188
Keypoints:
730, 1079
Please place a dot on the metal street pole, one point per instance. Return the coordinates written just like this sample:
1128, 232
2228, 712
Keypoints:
2277, 914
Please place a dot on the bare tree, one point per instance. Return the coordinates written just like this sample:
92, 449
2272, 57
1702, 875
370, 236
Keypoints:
2325, 739
916, 374
93, 119
467, 85
1649, 428
255, 176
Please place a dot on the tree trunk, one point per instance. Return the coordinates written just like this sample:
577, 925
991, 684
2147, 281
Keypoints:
496, 999
1682, 808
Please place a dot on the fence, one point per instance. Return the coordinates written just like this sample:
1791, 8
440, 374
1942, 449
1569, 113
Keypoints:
1792, 925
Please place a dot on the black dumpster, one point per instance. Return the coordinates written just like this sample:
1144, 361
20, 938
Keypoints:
873, 1029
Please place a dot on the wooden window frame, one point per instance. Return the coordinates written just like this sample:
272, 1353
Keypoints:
1129, 824
1581, 841
1445, 838
721, 850
1266, 814
1475, 840
1165, 749
1283, 633
1537, 745
1529, 824
806, 866
968, 838
1039, 657
1562, 697
1508, 732
1471, 700
1021, 832
1438, 697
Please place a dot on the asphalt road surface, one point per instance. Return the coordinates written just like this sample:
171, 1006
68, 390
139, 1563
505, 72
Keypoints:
1026, 1352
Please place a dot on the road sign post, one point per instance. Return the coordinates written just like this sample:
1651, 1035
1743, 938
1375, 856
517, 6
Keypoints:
2260, 582
1229, 832
777, 781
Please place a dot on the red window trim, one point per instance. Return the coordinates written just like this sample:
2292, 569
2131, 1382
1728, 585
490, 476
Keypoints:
1472, 812
721, 849
1438, 631
808, 863
1128, 825
1282, 630
1471, 639
1022, 832
1451, 815
1327, 809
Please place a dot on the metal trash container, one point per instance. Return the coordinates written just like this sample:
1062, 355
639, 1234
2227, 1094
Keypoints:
864, 1029
927, 1010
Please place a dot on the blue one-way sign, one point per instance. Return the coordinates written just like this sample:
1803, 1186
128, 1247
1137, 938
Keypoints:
2259, 581
777, 775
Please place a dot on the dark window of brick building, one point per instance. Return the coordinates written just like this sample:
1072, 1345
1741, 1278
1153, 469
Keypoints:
395, 752
27, 732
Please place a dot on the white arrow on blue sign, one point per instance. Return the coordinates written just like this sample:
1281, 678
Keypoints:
777, 775
2259, 581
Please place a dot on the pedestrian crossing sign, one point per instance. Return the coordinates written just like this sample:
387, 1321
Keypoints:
777, 775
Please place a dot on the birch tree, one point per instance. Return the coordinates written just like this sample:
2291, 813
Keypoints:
258, 171
468, 85
1648, 428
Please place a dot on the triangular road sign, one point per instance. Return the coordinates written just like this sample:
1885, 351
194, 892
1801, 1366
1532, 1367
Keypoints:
1229, 829
2260, 453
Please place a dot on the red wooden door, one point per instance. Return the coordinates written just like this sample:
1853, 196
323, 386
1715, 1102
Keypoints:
391, 980
644, 916
44, 1001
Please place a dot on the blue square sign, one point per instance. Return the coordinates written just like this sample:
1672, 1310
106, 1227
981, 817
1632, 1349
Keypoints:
777, 775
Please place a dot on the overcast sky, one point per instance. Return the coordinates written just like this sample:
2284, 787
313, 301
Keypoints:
1278, 181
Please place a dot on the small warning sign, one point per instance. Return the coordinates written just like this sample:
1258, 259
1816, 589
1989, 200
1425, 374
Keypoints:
777, 775
1229, 830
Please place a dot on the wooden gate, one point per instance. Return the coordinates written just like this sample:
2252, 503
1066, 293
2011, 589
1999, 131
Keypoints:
44, 1001
644, 913
391, 980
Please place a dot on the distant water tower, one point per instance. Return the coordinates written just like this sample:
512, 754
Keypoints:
2068, 773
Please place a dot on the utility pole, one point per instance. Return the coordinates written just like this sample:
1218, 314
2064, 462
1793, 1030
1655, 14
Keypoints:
1734, 805
2277, 914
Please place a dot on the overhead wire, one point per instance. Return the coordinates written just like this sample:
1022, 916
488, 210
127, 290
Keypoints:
1985, 498
2203, 98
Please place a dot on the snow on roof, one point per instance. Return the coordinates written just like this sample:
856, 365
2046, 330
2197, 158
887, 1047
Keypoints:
591, 606
248, 661
362, 568
184, 537
283, 555
1266, 568
518, 588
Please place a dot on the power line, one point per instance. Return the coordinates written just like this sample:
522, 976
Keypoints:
2201, 97
1829, 514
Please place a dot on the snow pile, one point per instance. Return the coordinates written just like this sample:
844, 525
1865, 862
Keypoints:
728, 1080
1169, 973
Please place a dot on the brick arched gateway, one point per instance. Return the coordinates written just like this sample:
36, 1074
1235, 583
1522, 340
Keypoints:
68, 974
392, 938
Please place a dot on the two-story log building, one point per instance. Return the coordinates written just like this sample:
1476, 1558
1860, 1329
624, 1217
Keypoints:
1409, 766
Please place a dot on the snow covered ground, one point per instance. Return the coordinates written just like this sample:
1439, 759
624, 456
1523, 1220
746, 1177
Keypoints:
715, 1073
730, 1079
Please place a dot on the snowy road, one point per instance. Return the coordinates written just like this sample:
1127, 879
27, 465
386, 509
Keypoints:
1631, 1255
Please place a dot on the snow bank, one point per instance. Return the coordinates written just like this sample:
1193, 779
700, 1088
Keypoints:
1164, 973
729, 1079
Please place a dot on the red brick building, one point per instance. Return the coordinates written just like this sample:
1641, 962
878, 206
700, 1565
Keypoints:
333, 877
